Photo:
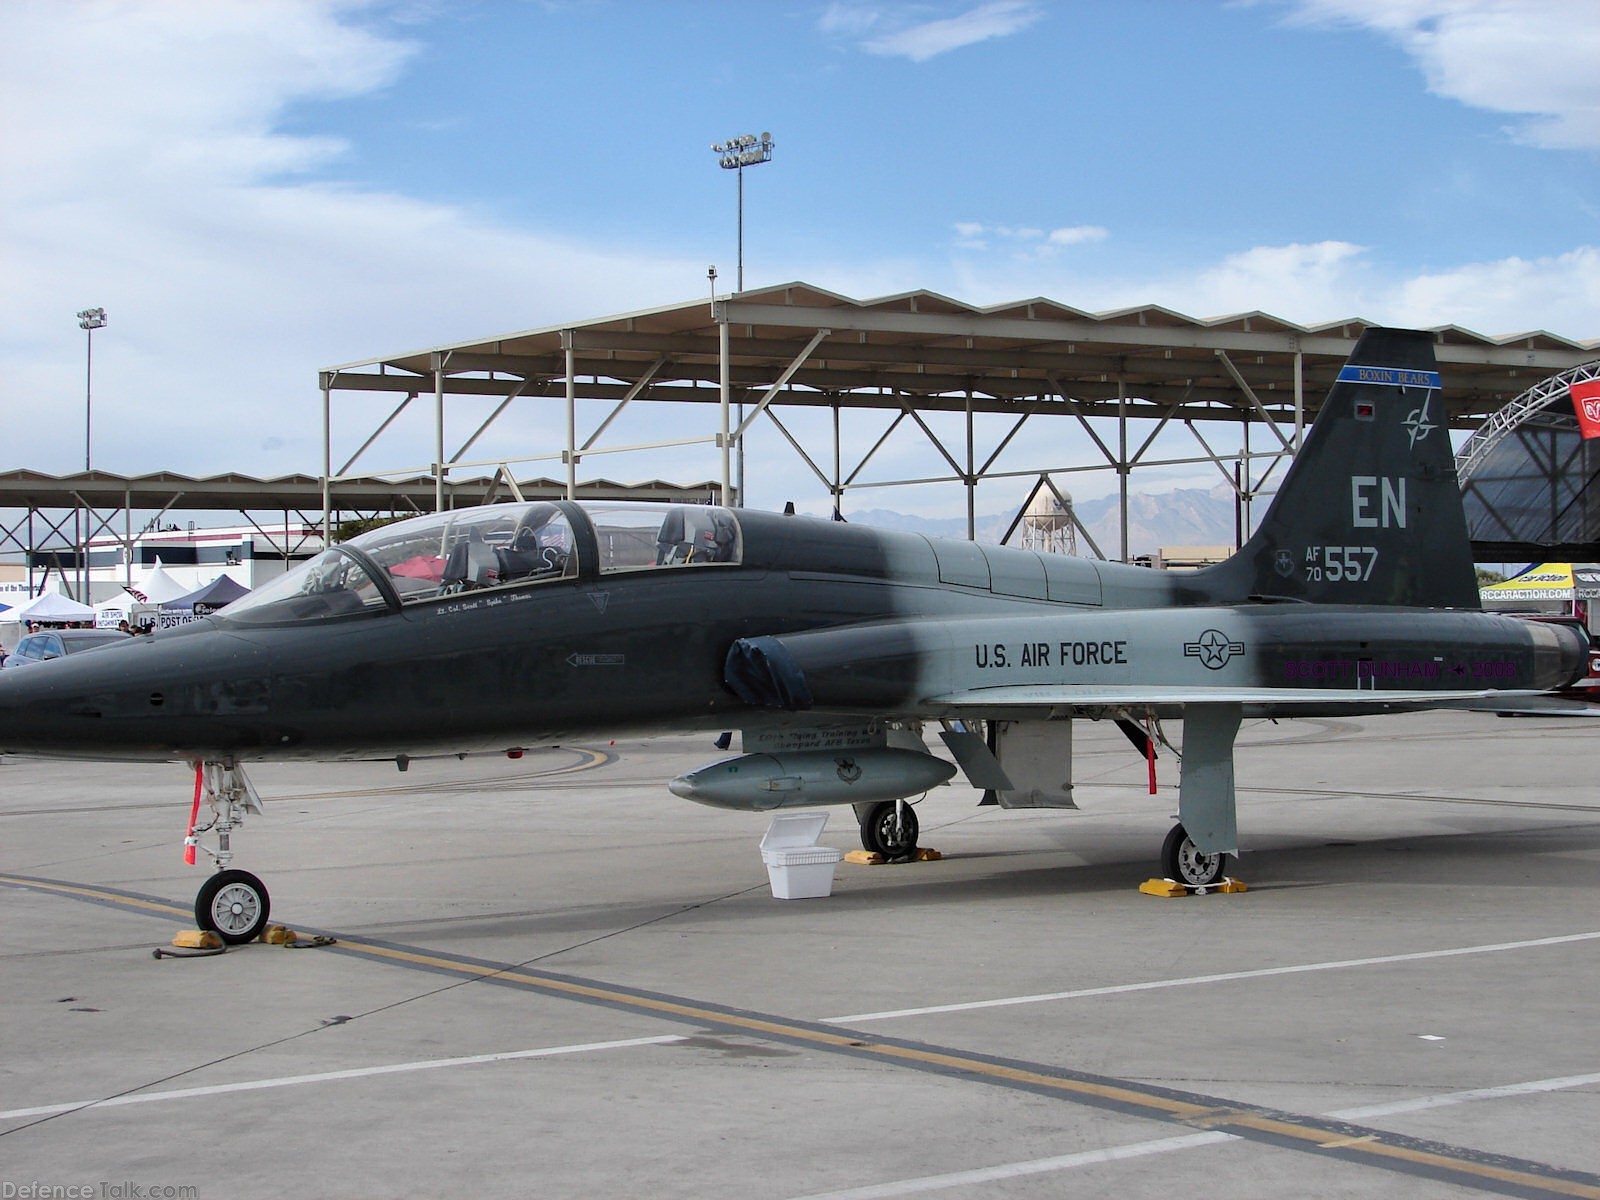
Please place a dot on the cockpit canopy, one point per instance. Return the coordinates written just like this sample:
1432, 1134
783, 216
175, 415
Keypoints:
443, 555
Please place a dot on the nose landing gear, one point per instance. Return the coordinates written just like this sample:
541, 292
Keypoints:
232, 904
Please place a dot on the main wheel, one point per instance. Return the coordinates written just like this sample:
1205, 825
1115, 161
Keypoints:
890, 829
1183, 862
233, 905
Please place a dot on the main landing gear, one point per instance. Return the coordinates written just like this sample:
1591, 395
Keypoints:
231, 904
889, 828
1183, 862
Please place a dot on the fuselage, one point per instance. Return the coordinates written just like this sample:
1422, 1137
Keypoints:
561, 655
526, 624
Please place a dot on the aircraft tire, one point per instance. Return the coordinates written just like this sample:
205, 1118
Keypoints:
882, 834
1182, 862
233, 905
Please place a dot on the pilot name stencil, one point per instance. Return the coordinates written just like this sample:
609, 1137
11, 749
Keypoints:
1109, 653
1339, 670
1327, 670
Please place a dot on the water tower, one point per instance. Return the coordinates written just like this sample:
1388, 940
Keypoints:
1047, 523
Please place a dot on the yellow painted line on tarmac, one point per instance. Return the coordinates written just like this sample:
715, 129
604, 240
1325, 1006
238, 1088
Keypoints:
116, 899
1327, 1138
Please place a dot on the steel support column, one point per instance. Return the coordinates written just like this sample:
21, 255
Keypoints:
327, 461
571, 455
1122, 461
724, 387
971, 479
438, 432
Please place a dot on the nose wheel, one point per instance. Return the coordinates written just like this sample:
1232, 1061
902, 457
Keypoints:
233, 905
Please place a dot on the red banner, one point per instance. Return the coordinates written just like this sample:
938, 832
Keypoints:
1586, 400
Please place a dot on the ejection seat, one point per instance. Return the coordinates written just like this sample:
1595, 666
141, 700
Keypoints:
521, 558
471, 564
692, 535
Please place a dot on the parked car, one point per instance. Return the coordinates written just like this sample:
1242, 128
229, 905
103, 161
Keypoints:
53, 643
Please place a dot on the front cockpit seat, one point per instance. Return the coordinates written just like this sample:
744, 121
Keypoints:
522, 556
471, 564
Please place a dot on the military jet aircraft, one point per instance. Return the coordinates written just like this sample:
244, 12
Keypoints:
826, 645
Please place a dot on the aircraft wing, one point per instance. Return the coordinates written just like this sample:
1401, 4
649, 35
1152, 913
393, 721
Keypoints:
1136, 696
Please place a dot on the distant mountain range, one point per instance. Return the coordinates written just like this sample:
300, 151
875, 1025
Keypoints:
1182, 517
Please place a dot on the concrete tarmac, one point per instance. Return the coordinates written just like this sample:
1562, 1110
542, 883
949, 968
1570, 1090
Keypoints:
553, 978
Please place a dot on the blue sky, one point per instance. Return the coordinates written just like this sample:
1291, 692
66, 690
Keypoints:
255, 190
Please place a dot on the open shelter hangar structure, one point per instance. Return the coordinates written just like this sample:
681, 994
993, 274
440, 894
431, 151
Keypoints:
1147, 387
1130, 380
1530, 480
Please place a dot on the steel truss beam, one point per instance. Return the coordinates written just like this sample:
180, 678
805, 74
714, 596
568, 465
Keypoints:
1141, 377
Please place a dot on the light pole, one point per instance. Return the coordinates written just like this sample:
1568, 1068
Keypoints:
735, 154
89, 320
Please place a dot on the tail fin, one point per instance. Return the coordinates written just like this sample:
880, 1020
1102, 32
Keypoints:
1370, 510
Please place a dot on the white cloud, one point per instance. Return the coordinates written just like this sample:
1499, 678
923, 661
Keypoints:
1562, 292
893, 30
1533, 58
146, 170
1077, 235
1024, 241
185, 91
1319, 282
849, 20
1305, 283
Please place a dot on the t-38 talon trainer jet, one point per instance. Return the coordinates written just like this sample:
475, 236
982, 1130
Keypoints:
826, 645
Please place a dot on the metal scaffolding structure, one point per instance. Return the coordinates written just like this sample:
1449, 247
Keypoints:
921, 366
1124, 379
49, 519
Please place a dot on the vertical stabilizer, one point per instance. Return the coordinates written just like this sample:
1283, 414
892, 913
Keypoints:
1370, 510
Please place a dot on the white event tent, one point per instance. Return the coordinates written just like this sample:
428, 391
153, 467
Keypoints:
51, 606
139, 603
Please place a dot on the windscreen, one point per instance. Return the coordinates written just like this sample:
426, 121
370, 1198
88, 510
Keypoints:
333, 584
